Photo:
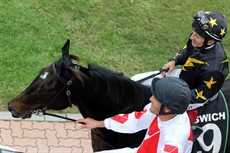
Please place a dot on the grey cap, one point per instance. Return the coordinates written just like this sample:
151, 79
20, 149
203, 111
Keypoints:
172, 92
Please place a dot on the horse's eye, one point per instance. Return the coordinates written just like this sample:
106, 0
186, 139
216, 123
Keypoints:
50, 82
49, 85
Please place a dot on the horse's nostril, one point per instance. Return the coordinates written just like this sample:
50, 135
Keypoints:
13, 113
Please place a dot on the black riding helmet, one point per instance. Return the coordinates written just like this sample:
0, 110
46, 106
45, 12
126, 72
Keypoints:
172, 92
211, 25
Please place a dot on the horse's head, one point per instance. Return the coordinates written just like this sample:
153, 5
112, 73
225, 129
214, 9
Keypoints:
46, 88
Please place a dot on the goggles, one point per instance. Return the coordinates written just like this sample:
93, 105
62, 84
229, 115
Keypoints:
202, 21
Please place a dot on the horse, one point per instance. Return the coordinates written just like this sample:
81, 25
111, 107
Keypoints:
98, 93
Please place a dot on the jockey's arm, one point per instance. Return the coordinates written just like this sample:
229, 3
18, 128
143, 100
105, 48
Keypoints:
130, 123
122, 123
210, 84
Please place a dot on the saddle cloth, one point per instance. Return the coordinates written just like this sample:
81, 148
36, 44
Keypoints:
214, 119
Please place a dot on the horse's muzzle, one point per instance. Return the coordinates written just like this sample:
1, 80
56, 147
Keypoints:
13, 112
16, 114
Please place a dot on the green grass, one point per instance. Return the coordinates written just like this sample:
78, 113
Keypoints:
130, 36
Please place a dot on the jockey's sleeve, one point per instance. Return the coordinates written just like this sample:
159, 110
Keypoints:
182, 55
130, 123
210, 83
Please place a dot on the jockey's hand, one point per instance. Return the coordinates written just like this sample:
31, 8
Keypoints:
170, 66
90, 123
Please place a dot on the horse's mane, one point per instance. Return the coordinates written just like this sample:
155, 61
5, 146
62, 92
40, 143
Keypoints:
97, 71
117, 88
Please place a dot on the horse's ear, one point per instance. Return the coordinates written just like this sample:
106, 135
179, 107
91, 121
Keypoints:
65, 50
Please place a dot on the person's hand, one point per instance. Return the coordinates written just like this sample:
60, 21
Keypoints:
170, 66
90, 123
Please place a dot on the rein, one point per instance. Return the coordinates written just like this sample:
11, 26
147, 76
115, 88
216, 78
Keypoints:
66, 85
152, 75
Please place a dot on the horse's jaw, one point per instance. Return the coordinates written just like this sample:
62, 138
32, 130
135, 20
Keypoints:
26, 115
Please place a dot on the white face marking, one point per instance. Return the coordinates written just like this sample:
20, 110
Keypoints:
43, 76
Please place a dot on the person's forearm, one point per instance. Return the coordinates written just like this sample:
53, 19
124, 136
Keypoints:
100, 124
91, 123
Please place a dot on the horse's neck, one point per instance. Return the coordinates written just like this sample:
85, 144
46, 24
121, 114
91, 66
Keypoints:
103, 102
105, 93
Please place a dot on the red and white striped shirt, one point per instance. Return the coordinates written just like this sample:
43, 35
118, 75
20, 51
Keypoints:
172, 136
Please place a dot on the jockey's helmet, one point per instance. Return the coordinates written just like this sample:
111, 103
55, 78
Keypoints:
211, 25
173, 93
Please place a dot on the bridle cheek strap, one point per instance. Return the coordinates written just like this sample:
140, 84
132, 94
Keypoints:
66, 85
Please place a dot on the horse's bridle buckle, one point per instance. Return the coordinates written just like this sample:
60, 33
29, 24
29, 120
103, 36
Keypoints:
38, 112
68, 92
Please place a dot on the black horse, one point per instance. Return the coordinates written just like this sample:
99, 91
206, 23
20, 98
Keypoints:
97, 92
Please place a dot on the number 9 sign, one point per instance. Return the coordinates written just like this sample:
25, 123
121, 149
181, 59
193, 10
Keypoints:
216, 141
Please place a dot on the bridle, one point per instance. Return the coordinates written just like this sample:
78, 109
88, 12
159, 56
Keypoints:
66, 86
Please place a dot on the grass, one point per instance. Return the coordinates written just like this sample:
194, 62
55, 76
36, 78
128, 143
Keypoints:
129, 36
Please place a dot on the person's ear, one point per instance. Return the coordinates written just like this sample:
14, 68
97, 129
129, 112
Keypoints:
211, 42
166, 110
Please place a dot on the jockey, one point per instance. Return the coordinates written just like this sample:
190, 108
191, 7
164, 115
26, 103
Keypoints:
169, 128
205, 64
